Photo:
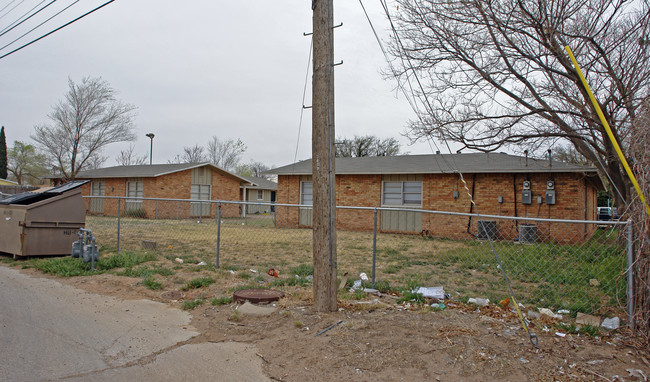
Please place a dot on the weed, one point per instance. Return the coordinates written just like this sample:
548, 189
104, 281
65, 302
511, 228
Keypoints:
234, 316
198, 282
410, 296
298, 324
286, 313
218, 301
589, 330
150, 283
191, 304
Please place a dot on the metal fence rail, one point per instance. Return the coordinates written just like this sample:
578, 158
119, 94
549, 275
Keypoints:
579, 266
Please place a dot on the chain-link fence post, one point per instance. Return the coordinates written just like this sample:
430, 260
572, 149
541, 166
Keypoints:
374, 248
218, 232
629, 234
119, 209
156, 208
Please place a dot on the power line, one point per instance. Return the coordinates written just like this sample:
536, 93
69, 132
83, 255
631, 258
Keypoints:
304, 93
10, 27
9, 11
57, 29
31, 30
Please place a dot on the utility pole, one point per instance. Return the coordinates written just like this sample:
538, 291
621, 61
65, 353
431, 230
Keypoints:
324, 206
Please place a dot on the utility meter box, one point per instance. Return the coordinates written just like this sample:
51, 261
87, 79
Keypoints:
526, 196
550, 196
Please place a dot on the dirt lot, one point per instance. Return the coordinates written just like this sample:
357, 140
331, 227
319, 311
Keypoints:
379, 339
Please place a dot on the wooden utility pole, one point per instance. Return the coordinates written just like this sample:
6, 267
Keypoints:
324, 216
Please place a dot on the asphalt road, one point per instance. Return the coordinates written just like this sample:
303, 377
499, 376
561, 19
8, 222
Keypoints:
52, 332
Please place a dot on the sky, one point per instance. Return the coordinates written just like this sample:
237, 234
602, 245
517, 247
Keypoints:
200, 68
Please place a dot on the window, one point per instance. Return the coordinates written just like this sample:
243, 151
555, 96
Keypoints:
134, 190
306, 193
402, 193
260, 194
200, 192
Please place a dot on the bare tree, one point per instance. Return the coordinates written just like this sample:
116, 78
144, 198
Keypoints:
366, 146
495, 73
129, 157
192, 154
225, 154
641, 221
87, 119
25, 162
254, 169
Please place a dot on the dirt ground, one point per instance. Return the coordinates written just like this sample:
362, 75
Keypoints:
379, 340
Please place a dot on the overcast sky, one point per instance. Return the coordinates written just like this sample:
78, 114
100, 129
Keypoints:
200, 68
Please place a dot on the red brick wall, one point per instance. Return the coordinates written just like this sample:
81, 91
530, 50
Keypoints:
171, 186
575, 199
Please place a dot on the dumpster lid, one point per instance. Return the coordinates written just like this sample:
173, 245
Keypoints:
33, 197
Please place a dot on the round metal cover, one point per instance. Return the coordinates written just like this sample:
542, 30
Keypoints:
172, 295
256, 296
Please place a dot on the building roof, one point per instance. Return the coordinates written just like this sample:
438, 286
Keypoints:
148, 171
261, 183
438, 164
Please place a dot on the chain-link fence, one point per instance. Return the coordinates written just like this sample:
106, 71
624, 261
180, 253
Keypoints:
579, 266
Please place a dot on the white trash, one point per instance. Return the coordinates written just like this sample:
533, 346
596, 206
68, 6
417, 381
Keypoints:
611, 323
432, 292
479, 301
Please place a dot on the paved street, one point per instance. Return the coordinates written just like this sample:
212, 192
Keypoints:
50, 331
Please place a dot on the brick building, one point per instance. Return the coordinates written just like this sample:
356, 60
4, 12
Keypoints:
501, 184
197, 181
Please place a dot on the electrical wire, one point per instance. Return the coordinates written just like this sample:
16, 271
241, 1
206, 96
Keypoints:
9, 11
57, 29
11, 26
39, 25
304, 94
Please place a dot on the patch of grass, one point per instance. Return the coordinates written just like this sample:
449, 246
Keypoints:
291, 281
70, 267
150, 283
146, 271
198, 282
298, 324
124, 260
302, 270
244, 275
412, 297
191, 304
218, 301
589, 330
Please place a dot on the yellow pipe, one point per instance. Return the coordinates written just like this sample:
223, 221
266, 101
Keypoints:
628, 170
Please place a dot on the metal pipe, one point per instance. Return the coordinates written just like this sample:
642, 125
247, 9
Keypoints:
374, 249
119, 208
218, 232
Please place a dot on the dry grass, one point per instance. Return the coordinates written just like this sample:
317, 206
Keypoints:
464, 268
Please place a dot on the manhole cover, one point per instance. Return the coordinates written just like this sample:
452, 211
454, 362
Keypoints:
172, 295
257, 295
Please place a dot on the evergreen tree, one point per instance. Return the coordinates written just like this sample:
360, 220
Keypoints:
3, 154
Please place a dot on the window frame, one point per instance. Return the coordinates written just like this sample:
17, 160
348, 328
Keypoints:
303, 193
403, 193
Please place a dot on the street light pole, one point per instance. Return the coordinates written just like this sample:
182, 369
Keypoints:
151, 135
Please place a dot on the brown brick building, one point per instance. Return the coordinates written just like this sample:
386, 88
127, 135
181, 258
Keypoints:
501, 184
197, 181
